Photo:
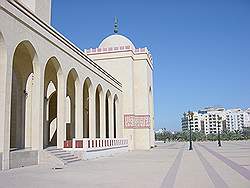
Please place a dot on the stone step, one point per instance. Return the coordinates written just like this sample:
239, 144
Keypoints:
73, 160
53, 149
69, 158
58, 151
65, 156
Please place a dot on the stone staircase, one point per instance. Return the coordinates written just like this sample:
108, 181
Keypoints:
65, 156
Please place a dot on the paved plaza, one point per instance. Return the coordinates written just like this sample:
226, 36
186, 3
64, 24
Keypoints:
168, 165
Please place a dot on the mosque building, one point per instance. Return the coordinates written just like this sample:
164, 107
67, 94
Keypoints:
57, 100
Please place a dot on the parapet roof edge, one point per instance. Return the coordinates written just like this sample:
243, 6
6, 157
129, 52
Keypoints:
117, 49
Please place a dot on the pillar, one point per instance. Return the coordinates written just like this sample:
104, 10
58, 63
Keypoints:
111, 117
92, 118
120, 119
79, 111
5, 110
102, 116
28, 112
37, 107
61, 111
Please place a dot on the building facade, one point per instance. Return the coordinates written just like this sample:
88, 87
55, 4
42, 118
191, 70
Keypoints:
214, 119
54, 94
236, 119
196, 123
210, 120
134, 67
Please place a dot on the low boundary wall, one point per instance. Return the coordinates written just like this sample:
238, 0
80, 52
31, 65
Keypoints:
94, 148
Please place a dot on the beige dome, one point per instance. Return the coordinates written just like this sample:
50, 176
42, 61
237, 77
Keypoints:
115, 41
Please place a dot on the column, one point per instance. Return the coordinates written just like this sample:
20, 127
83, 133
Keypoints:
79, 111
111, 118
119, 119
92, 115
37, 107
61, 111
5, 110
28, 111
102, 116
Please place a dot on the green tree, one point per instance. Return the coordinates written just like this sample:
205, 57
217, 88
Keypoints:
212, 137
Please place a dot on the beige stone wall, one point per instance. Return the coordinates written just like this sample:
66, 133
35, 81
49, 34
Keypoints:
42, 44
142, 83
33, 55
151, 104
135, 73
41, 9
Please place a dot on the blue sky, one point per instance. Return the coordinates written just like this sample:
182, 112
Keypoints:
201, 48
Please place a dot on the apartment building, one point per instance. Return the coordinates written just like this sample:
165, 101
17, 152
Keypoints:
237, 118
196, 123
212, 119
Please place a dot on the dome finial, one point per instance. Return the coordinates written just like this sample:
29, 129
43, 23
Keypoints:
116, 26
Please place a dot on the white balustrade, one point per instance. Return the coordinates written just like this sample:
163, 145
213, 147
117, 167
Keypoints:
95, 144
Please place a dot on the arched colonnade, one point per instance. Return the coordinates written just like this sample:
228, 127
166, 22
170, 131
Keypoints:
71, 107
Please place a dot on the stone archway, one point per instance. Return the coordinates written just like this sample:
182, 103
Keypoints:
21, 96
98, 105
72, 94
52, 72
107, 113
86, 94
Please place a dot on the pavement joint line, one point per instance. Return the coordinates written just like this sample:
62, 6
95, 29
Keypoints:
213, 175
169, 179
241, 170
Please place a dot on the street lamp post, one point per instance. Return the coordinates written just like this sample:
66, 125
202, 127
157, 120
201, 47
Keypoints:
219, 121
190, 117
